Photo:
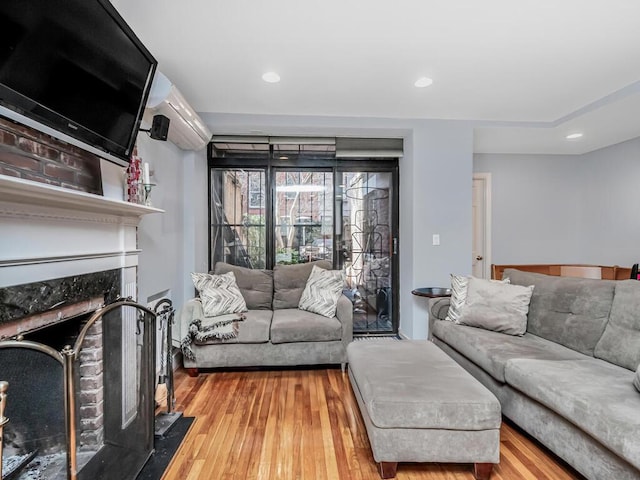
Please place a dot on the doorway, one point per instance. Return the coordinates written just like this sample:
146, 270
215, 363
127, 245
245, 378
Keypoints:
481, 218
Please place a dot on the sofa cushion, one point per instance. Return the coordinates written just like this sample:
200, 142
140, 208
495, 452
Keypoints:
620, 342
492, 350
322, 291
496, 306
594, 395
293, 325
289, 282
565, 310
255, 285
255, 327
219, 294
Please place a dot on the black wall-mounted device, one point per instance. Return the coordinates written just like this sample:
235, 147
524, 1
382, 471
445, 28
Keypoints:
159, 127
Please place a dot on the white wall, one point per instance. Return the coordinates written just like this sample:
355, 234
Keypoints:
161, 235
563, 208
435, 189
195, 218
611, 200
435, 193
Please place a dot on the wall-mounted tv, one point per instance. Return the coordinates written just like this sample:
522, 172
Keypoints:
74, 69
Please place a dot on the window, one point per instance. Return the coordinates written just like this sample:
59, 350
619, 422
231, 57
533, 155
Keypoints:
303, 209
238, 228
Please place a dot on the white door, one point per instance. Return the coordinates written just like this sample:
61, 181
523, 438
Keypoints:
481, 217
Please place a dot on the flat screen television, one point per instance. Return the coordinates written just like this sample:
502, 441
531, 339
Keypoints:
74, 69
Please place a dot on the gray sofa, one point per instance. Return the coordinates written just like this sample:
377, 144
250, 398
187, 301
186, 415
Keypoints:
569, 380
275, 332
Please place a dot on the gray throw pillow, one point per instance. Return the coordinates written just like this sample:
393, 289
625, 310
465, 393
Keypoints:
219, 294
496, 306
459, 285
636, 380
322, 291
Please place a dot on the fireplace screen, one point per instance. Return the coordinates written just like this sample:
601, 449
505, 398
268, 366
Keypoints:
80, 396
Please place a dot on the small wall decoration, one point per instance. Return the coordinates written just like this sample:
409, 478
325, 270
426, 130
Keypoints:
134, 180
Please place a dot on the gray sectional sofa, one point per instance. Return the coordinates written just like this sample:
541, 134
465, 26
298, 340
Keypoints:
275, 332
569, 381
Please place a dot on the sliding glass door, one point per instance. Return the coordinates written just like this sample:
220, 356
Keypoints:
344, 212
367, 239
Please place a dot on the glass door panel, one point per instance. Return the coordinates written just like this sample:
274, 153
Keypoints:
238, 221
303, 216
366, 239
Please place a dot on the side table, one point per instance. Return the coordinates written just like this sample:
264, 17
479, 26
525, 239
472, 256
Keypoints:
432, 292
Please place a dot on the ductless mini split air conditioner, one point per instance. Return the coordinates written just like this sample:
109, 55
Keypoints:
186, 128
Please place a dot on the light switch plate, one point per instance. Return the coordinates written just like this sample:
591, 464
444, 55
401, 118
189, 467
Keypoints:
436, 239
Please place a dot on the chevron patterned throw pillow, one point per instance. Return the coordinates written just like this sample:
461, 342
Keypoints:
219, 294
322, 291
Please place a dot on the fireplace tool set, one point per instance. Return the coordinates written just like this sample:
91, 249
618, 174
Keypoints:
165, 394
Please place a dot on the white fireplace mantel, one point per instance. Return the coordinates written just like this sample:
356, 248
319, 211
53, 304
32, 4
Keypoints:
25, 192
49, 232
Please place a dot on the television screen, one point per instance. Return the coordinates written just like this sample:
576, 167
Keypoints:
76, 67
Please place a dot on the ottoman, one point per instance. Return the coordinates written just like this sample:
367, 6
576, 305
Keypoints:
419, 405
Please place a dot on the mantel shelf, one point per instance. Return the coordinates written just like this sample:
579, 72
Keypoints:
25, 192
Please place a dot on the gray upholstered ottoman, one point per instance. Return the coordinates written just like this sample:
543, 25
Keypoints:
419, 405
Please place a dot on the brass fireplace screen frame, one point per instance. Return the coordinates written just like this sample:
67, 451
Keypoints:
67, 356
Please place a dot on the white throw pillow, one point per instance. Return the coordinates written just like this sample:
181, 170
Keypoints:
458, 296
496, 306
459, 284
219, 294
322, 291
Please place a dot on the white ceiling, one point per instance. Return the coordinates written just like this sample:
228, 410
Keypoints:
527, 71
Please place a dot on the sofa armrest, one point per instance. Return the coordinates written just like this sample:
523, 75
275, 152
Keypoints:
438, 308
344, 313
190, 311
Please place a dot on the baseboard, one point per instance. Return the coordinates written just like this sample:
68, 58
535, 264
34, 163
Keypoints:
402, 335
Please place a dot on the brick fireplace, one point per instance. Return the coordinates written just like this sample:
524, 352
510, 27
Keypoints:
56, 249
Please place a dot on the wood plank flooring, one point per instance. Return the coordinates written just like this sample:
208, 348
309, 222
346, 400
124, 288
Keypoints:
305, 424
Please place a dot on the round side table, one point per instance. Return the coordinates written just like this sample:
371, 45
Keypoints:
432, 292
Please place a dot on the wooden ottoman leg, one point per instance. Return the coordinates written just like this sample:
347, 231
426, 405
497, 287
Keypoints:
192, 372
482, 471
388, 469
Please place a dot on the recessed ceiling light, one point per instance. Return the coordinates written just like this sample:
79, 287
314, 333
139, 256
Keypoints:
573, 136
423, 82
271, 77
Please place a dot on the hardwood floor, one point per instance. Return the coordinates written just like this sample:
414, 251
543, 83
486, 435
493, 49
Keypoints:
305, 424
